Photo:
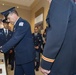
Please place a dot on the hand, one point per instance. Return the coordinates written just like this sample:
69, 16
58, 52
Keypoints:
1, 51
45, 72
36, 47
10, 51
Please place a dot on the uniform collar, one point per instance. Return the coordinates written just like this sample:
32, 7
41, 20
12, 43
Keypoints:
16, 21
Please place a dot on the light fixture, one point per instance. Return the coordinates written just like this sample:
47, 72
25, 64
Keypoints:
3, 4
17, 6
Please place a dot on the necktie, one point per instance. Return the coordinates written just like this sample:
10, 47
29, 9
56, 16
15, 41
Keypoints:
6, 33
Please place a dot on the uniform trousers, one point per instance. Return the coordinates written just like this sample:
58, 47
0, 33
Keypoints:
37, 60
25, 69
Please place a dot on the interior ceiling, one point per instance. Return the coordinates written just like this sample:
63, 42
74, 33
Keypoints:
27, 3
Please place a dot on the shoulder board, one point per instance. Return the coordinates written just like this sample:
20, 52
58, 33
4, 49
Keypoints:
21, 23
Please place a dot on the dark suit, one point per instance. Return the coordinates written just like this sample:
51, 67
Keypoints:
59, 54
23, 46
3, 37
6, 37
3, 40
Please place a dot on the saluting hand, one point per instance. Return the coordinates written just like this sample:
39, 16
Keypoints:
45, 72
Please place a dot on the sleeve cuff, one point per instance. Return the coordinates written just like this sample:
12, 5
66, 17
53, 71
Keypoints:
46, 65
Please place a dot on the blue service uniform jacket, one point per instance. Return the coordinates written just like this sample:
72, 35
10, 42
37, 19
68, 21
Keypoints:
37, 39
22, 42
59, 54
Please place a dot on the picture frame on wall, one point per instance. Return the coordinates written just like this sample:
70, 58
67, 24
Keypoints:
39, 17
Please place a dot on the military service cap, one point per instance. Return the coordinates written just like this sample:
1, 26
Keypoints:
7, 12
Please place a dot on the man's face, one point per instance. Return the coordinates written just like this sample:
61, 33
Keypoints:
11, 18
36, 30
5, 25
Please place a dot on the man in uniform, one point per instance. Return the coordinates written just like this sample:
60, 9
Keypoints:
59, 55
7, 35
22, 42
37, 38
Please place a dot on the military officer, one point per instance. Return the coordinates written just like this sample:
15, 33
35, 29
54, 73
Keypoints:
37, 38
7, 35
3, 40
22, 42
59, 56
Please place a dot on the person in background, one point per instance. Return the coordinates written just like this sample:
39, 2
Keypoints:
4, 37
37, 38
22, 42
9, 55
59, 55
44, 38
